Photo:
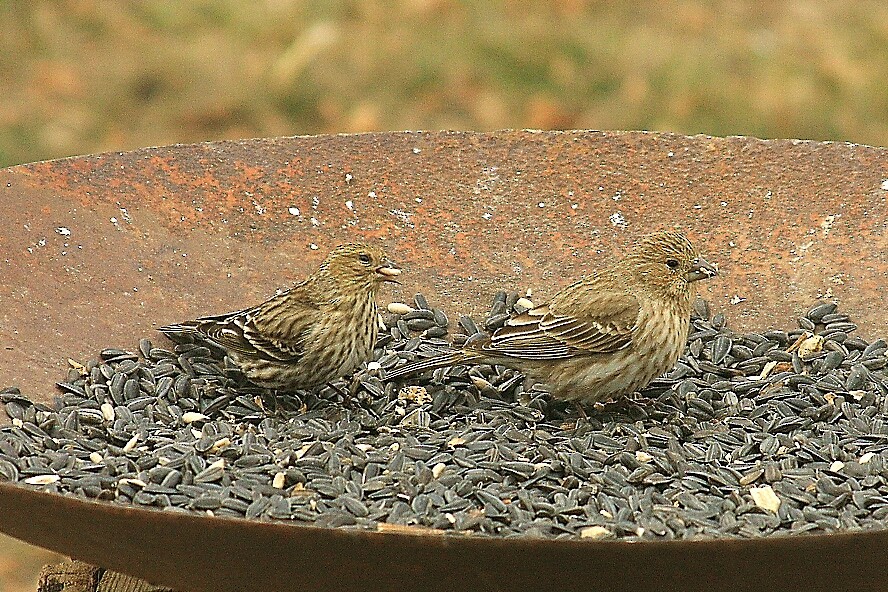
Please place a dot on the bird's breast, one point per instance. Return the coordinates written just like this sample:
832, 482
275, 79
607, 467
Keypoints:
661, 336
350, 330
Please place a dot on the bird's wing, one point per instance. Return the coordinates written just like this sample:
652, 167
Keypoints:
602, 322
240, 335
275, 330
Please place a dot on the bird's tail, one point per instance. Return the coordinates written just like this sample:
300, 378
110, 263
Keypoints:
446, 359
180, 332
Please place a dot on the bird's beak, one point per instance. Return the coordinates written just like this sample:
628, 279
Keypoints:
701, 270
389, 271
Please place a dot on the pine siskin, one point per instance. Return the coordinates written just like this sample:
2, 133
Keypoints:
315, 332
606, 335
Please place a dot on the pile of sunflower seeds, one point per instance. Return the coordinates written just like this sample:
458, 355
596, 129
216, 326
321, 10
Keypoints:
783, 432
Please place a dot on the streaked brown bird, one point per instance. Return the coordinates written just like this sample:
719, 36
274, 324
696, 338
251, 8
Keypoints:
604, 336
317, 331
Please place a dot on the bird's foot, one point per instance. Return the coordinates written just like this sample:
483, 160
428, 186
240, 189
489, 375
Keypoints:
279, 403
581, 418
268, 404
348, 400
629, 406
638, 400
581, 414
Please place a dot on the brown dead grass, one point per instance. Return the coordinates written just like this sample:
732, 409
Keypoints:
20, 565
81, 76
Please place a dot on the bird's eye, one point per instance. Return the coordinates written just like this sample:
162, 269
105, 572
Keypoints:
364, 258
672, 263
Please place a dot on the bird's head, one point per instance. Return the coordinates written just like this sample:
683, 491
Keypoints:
666, 264
358, 264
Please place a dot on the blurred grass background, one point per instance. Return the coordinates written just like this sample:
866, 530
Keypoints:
84, 76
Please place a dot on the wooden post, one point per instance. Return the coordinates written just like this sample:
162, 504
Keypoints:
76, 576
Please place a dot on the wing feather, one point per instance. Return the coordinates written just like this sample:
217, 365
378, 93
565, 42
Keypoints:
275, 330
605, 322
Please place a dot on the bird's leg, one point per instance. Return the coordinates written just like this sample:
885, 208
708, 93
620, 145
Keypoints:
260, 401
581, 411
624, 404
581, 414
362, 399
638, 399
354, 386
347, 398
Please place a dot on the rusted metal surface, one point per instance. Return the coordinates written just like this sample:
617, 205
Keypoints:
207, 228
98, 251
157, 235
195, 554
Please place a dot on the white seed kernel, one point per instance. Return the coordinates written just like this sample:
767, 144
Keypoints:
220, 444
594, 532
642, 456
129, 446
192, 416
42, 479
399, 308
765, 498
108, 411
438, 469
524, 302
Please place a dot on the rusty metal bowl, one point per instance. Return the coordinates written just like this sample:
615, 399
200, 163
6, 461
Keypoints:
100, 250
